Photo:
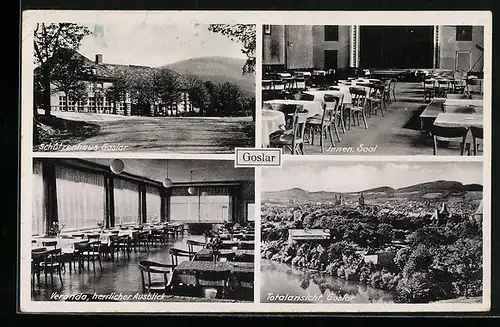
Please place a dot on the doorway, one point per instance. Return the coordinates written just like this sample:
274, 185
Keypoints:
330, 59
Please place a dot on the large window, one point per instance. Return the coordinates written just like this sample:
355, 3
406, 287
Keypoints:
331, 32
184, 208
38, 214
126, 202
215, 208
153, 204
80, 198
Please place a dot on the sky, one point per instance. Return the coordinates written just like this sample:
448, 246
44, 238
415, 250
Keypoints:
357, 176
156, 45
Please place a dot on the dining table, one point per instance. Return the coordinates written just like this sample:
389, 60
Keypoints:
272, 121
312, 107
459, 120
207, 254
185, 272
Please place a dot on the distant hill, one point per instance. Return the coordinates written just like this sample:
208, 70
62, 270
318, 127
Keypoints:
429, 190
218, 70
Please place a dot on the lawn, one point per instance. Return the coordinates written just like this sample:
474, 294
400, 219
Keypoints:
105, 132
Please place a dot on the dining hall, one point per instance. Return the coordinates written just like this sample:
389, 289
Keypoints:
142, 229
382, 90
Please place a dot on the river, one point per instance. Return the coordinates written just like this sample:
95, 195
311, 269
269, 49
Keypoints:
282, 283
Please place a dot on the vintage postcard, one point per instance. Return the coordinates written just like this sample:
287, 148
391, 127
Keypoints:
267, 162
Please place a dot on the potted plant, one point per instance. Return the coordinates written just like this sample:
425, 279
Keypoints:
56, 229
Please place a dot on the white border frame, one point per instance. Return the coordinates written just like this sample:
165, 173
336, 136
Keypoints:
248, 17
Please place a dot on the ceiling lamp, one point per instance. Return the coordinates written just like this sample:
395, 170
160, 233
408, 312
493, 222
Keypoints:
167, 182
191, 190
117, 166
204, 193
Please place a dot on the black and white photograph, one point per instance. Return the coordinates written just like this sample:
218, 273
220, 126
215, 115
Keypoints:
136, 230
176, 88
372, 232
373, 90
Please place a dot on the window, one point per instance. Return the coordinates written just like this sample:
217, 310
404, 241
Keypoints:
464, 33
250, 211
331, 32
215, 208
71, 105
100, 104
184, 208
153, 204
62, 102
91, 104
126, 202
107, 106
38, 212
80, 198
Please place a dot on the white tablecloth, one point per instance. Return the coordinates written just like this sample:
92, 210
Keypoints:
319, 95
271, 121
313, 107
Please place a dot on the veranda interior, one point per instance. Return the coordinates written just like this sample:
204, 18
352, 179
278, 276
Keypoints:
104, 232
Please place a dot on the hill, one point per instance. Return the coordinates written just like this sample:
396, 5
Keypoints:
436, 189
218, 70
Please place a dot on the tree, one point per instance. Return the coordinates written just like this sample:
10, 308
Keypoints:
244, 34
166, 85
49, 40
198, 93
117, 91
68, 75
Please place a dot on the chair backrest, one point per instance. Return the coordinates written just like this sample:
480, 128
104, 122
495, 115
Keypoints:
175, 254
299, 126
474, 81
246, 246
330, 109
151, 267
477, 132
52, 256
78, 235
304, 96
38, 250
93, 246
448, 132
93, 236
229, 256
245, 257
50, 244
428, 84
192, 243
114, 232
358, 96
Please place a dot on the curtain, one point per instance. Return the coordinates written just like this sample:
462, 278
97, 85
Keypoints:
153, 204
184, 208
38, 212
215, 208
250, 211
80, 198
126, 202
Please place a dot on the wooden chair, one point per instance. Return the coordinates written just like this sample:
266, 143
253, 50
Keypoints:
120, 244
327, 122
477, 133
148, 271
91, 252
448, 134
358, 105
214, 279
392, 89
291, 139
387, 94
429, 91
37, 257
141, 239
472, 84
51, 264
175, 254
192, 244
226, 256
158, 237
376, 100
246, 284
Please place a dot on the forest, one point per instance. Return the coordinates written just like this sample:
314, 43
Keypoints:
428, 262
